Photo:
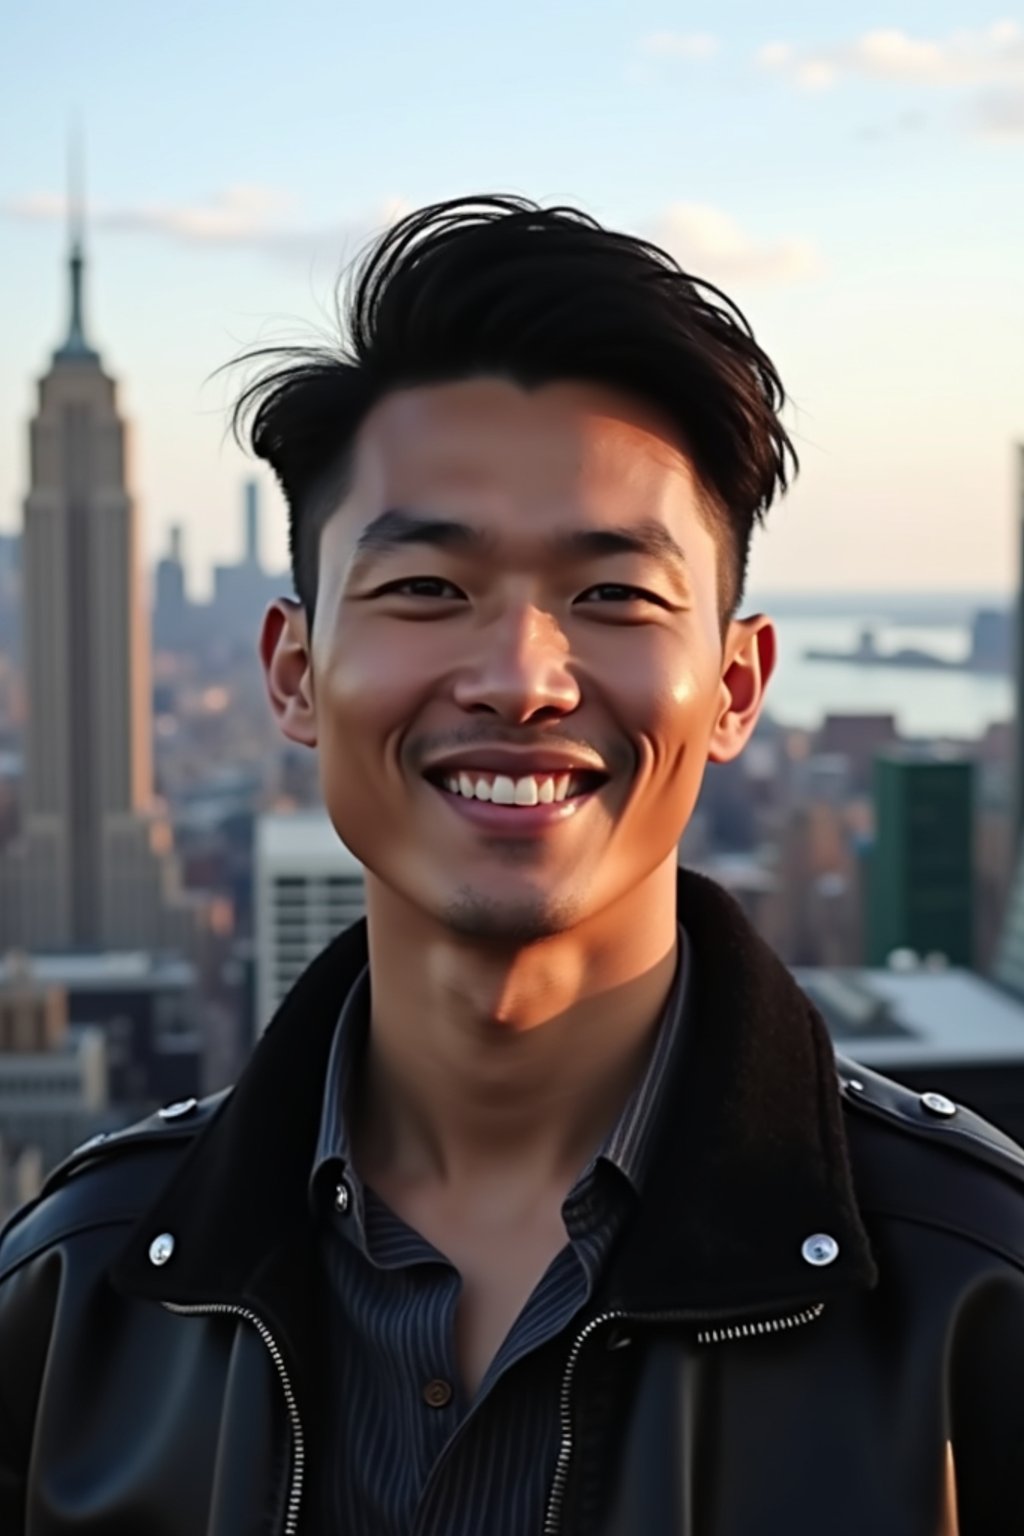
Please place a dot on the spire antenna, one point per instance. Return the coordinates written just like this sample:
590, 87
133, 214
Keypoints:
76, 345
76, 188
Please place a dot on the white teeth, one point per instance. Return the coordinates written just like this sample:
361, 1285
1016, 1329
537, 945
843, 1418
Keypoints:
502, 789
526, 792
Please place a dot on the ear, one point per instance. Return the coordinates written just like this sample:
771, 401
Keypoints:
287, 669
750, 655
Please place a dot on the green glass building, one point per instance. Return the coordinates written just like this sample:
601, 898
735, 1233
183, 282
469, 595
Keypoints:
920, 868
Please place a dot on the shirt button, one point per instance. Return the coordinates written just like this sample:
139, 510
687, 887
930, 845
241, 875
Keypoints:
437, 1394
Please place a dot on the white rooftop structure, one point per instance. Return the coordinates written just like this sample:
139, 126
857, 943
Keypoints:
129, 969
305, 837
308, 886
925, 1016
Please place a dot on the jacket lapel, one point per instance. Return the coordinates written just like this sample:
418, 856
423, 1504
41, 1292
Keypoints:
750, 1158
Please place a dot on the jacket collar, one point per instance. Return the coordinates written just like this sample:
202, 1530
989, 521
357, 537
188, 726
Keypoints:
749, 1156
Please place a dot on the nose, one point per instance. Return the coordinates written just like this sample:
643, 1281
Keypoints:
519, 668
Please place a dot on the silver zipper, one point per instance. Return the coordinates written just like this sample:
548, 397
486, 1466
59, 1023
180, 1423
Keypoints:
291, 1523
719, 1335
765, 1325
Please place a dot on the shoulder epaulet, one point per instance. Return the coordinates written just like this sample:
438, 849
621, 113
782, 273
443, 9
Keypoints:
180, 1121
69, 1201
932, 1116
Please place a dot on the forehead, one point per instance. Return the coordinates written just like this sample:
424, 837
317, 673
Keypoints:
490, 447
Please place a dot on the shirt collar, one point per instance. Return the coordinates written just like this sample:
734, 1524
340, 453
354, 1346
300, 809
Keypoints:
333, 1147
626, 1147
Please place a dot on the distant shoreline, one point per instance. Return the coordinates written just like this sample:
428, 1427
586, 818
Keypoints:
921, 661
909, 608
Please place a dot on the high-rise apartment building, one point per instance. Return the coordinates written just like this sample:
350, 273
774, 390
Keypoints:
94, 866
308, 886
920, 881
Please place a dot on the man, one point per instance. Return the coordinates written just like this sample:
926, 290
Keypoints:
543, 1205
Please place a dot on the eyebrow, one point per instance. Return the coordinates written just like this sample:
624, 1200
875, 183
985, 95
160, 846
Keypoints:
397, 529
650, 539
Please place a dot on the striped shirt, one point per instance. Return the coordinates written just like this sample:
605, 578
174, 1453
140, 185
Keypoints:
407, 1452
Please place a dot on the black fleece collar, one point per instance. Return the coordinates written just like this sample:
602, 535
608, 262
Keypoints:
749, 1157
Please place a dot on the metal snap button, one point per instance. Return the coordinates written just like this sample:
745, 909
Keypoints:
342, 1198
938, 1104
820, 1249
175, 1111
161, 1248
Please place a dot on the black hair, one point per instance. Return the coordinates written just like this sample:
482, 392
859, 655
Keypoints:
498, 285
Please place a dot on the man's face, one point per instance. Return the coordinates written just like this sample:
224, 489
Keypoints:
554, 623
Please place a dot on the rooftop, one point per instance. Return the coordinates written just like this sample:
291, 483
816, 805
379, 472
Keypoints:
130, 969
306, 838
886, 1019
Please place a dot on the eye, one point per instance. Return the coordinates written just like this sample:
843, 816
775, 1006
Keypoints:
421, 586
621, 593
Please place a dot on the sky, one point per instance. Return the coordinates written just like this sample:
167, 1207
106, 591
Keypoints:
850, 175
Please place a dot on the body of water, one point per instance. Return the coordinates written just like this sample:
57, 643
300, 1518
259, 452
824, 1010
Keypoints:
925, 703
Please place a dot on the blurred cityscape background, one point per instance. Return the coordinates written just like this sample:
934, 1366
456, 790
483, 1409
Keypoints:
165, 868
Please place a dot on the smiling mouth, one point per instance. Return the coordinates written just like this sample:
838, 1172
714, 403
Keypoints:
525, 790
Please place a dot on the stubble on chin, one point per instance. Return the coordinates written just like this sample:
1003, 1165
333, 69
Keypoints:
522, 920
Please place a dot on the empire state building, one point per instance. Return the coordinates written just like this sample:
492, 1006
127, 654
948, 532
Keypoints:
94, 866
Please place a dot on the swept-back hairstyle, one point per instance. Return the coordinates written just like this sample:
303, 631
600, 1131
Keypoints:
498, 285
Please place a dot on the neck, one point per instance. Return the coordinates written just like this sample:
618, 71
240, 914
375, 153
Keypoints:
485, 1065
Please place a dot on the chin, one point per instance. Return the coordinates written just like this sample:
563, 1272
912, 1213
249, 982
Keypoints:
523, 919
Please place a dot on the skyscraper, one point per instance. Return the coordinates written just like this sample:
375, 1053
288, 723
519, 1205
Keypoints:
252, 522
171, 611
921, 880
1008, 966
94, 866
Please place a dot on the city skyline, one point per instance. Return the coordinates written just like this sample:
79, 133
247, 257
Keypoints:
849, 180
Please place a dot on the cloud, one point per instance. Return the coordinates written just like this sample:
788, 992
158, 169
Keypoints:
243, 216
999, 114
704, 239
710, 243
897, 127
680, 45
984, 56
240, 214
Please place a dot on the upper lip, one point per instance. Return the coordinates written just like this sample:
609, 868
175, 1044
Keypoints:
516, 762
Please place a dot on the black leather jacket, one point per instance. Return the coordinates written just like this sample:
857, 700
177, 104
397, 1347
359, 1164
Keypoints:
814, 1324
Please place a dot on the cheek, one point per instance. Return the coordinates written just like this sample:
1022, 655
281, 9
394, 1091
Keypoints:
370, 690
669, 702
